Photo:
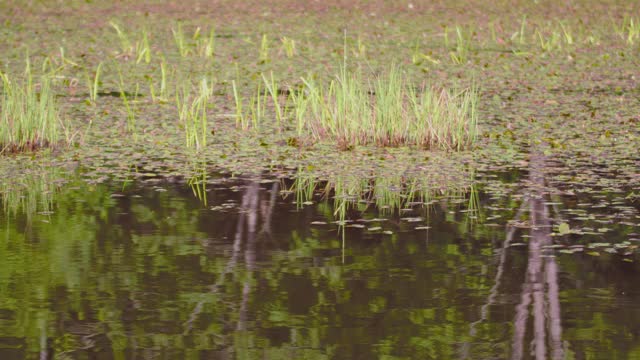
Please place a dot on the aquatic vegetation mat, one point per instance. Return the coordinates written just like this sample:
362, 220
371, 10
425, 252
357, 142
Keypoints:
244, 181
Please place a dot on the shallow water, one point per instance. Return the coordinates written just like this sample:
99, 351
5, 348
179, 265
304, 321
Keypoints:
151, 271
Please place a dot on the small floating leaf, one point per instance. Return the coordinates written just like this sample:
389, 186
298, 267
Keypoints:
411, 219
564, 229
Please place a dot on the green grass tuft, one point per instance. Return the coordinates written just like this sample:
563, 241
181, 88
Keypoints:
29, 117
387, 111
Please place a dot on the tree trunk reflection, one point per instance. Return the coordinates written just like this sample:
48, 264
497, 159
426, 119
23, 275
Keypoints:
541, 281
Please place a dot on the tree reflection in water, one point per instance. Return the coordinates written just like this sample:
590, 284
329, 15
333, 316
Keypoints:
251, 211
539, 296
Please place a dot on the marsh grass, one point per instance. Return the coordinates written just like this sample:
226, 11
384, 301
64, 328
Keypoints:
180, 40
130, 112
552, 38
549, 43
252, 113
203, 46
462, 48
125, 44
160, 96
387, 111
143, 50
629, 30
140, 50
289, 46
29, 117
418, 57
263, 55
94, 84
567, 34
272, 88
360, 49
520, 36
192, 112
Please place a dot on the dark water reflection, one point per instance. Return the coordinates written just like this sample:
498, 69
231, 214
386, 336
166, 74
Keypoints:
150, 272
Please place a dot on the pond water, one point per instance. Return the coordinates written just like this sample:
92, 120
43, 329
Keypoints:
240, 269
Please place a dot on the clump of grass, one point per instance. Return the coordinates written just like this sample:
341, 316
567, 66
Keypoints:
192, 111
418, 57
143, 50
462, 48
180, 40
568, 34
205, 46
386, 111
289, 46
520, 35
360, 50
554, 39
252, 113
263, 56
125, 44
29, 117
131, 115
140, 49
629, 30
549, 43
272, 88
161, 95
94, 84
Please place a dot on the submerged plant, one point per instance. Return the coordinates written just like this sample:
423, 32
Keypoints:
29, 116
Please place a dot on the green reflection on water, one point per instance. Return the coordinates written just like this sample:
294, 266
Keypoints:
152, 270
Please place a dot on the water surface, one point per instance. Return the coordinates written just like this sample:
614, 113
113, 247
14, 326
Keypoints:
151, 270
